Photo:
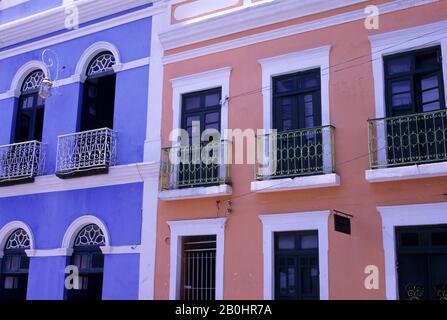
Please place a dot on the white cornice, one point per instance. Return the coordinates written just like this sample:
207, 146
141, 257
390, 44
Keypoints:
124, 174
346, 17
54, 19
107, 24
5, 4
248, 18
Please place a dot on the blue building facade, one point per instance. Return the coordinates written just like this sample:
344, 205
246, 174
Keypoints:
78, 153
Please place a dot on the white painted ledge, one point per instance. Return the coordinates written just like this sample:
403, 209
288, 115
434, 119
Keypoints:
196, 193
428, 170
298, 183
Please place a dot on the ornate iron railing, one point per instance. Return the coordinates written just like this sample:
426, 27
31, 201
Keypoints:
21, 161
195, 165
405, 140
86, 151
295, 153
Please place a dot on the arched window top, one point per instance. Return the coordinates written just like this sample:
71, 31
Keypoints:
32, 81
90, 235
19, 239
102, 63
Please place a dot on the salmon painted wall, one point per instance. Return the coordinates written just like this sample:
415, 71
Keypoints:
352, 102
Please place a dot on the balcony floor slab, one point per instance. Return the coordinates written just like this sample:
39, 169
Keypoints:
428, 170
298, 183
196, 193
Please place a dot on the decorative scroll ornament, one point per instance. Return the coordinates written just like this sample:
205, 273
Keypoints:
33, 81
414, 292
441, 292
104, 62
51, 61
90, 235
18, 240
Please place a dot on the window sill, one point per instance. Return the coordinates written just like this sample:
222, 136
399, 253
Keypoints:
196, 193
428, 170
298, 183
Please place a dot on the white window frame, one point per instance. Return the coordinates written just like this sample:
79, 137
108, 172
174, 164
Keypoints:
199, 227
399, 216
401, 41
5, 4
303, 221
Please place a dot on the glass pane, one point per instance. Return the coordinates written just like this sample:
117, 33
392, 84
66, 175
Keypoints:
190, 121
308, 111
192, 103
76, 260
400, 86
309, 81
27, 102
399, 65
97, 261
24, 263
291, 280
401, 99
84, 261
214, 126
409, 239
212, 117
11, 283
309, 242
430, 95
285, 85
212, 100
431, 107
429, 83
92, 92
427, 60
439, 238
286, 242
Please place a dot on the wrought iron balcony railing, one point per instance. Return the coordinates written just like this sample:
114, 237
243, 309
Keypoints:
406, 140
86, 152
21, 162
195, 165
295, 153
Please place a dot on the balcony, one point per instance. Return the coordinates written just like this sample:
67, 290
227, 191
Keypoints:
300, 159
407, 147
21, 162
86, 153
195, 171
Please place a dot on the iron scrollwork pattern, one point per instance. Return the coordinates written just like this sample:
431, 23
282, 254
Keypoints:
441, 292
90, 235
86, 150
21, 161
19, 239
33, 81
101, 64
414, 291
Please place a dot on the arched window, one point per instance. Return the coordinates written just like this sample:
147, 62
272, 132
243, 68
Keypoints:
15, 264
99, 93
88, 258
31, 109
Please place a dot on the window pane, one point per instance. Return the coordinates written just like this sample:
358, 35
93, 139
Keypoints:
212, 117
309, 81
401, 86
308, 111
11, 283
192, 103
309, 242
286, 242
431, 107
430, 95
24, 263
193, 120
427, 60
439, 238
399, 65
409, 239
212, 100
97, 261
285, 85
27, 102
401, 99
429, 83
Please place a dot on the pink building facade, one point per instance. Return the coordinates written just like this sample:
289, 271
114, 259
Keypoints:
342, 194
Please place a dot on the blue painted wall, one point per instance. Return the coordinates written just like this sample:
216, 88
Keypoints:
46, 278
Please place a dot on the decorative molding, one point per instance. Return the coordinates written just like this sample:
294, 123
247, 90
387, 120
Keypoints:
97, 27
253, 17
196, 193
428, 170
5, 4
197, 82
298, 183
23, 72
190, 10
9, 228
78, 224
121, 249
53, 20
301, 221
342, 18
406, 215
59, 252
124, 174
197, 227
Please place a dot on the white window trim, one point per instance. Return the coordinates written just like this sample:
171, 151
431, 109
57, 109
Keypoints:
180, 229
5, 4
389, 43
78, 224
302, 221
9, 228
406, 215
